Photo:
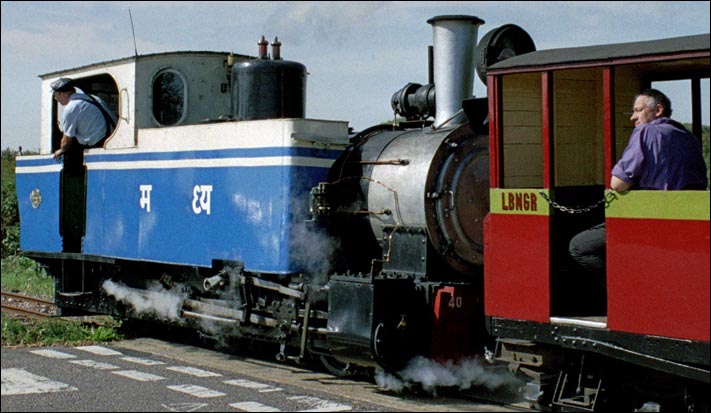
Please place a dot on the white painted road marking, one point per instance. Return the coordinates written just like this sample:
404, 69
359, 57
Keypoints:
193, 371
253, 407
18, 381
314, 404
137, 375
94, 364
145, 362
261, 387
197, 391
53, 354
100, 351
184, 407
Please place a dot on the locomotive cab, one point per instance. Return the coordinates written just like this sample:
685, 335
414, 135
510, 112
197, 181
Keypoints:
559, 121
173, 86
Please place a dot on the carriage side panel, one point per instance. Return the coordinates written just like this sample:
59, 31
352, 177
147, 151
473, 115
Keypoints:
658, 263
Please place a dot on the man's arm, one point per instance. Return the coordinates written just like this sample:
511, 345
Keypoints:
619, 185
63, 146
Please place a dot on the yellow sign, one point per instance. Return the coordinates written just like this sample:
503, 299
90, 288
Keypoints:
518, 201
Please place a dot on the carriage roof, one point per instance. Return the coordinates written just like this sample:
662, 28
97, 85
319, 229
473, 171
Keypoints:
618, 53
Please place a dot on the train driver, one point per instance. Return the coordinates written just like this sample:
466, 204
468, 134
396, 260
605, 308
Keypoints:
661, 154
87, 118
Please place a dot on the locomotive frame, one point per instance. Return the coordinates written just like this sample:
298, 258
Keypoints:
435, 237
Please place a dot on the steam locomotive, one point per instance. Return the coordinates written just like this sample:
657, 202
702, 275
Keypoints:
216, 205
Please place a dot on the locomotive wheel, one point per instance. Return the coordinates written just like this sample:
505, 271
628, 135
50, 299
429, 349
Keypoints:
335, 367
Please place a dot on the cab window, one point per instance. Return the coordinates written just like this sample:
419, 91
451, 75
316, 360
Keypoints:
169, 95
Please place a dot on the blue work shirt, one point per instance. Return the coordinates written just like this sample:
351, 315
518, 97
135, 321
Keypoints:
662, 154
83, 120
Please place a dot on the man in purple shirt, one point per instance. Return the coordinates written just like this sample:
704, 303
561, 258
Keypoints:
661, 154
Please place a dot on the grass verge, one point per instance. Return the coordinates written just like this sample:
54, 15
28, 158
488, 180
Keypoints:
22, 332
23, 275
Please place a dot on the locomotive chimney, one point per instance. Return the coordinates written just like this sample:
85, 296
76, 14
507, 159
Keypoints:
276, 49
262, 53
454, 39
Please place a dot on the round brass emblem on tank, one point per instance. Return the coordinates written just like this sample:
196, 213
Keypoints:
35, 198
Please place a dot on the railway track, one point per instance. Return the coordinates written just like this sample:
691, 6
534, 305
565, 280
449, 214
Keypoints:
27, 306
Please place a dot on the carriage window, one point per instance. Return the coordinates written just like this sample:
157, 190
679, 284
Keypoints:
168, 97
679, 92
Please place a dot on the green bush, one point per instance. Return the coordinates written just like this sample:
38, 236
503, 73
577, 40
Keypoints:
10, 220
10, 231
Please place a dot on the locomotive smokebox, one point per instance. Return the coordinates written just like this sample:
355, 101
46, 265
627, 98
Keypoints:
418, 185
268, 88
454, 40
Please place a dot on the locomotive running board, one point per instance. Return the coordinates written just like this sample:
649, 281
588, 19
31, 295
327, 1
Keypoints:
593, 322
72, 266
41, 255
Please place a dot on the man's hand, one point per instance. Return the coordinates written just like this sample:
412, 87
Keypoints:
64, 145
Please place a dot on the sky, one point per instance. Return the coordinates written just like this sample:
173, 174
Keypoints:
357, 53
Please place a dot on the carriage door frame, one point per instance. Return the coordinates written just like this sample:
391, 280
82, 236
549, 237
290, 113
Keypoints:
72, 189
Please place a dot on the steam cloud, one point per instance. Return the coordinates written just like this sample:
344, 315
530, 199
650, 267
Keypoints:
312, 249
156, 301
430, 375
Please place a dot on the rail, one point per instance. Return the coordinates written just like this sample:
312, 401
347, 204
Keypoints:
27, 306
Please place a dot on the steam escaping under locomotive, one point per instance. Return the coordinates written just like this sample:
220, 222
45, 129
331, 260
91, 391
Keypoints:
222, 208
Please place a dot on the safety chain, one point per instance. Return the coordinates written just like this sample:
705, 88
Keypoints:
609, 197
